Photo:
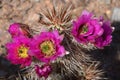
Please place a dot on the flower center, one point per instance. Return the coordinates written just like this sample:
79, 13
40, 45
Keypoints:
23, 51
47, 48
83, 30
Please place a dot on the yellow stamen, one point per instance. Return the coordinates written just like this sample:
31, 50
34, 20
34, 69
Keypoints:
23, 51
47, 48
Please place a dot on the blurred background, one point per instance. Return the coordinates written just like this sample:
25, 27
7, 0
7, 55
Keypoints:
28, 12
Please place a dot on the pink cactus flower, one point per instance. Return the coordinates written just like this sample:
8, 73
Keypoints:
86, 28
18, 51
47, 46
106, 38
15, 30
43, 71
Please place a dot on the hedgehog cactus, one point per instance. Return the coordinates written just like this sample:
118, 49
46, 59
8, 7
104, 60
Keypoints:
57, 17
54, 54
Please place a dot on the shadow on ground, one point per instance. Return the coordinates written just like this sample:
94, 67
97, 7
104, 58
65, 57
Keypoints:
110, 56
7, 69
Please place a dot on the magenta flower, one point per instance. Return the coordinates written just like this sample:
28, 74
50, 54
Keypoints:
86, 28
47, 46
43, 71
18, 51
15, 30
106, 38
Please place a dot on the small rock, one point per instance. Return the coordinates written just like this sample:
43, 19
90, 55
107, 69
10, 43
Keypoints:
17, 19
5, 1
108, 13
36, 8
108, 1
116, 14
15, 3
33, 17
34, 0
7, 9
25, 5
